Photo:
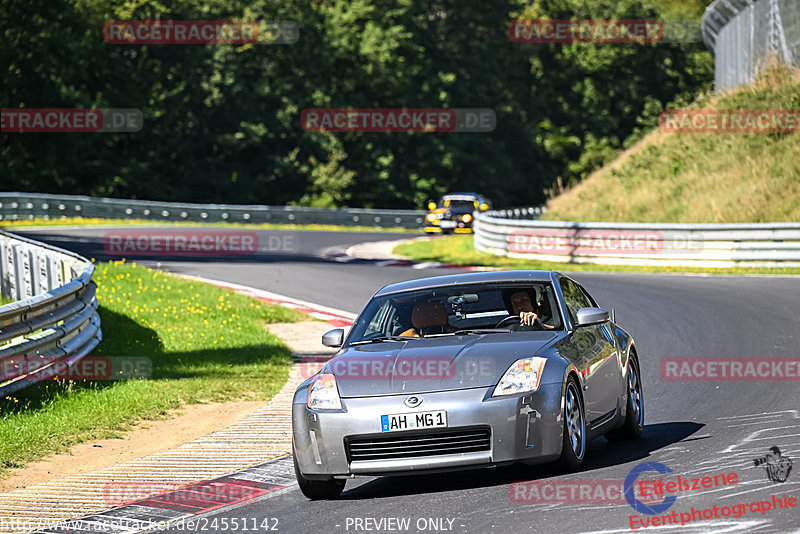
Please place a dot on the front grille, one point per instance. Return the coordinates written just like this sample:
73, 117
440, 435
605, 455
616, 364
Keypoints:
413, 445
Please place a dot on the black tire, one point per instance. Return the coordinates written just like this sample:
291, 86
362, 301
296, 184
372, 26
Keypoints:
317, 489
573, 445
634, 412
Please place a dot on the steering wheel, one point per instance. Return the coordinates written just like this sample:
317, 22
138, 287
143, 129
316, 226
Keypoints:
510, 319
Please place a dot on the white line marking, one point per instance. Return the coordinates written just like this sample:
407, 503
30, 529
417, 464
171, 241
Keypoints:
795, 412
273, 296
765, 487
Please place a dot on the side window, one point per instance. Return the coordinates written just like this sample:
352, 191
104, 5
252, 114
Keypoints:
378, 322
574, 298
592, 302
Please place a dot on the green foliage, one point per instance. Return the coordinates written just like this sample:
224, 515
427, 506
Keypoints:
700, 177
222, 122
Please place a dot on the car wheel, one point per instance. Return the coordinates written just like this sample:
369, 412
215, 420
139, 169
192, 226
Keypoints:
634, 413
573, 448
317, 489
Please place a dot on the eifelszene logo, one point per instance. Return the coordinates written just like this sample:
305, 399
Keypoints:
638, 505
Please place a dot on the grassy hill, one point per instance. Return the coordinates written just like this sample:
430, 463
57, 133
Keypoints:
692, 177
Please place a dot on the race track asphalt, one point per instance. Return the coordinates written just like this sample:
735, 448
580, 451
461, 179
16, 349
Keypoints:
696, 428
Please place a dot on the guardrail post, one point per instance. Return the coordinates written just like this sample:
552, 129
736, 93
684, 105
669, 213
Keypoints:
5, 271
51, 269
18, 255
65, 266
35, 272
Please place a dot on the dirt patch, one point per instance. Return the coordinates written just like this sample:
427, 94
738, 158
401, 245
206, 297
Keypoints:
186, 424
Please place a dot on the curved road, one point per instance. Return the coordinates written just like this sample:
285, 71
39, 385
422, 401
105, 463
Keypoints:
696, 428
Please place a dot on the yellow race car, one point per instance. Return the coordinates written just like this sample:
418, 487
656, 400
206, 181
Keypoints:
455, 213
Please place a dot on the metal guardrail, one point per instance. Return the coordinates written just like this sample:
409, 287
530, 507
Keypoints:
699, 245
53, 321
21, 206
520, 213
744, 35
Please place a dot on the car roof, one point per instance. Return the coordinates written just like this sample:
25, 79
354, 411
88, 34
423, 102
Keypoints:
468, 278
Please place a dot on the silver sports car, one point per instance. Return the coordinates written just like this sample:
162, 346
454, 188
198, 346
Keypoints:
466, 371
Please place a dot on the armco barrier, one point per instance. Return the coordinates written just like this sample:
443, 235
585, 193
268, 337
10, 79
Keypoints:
699, 245
16, 206
745, 35
53, 320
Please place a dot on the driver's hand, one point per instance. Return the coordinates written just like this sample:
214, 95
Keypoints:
528, 318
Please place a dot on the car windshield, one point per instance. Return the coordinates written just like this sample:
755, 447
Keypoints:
458, 309
459, 204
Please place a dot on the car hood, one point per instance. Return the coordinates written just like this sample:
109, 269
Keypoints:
432, 364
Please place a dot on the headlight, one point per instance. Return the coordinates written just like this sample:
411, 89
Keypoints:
323, 393
430, 217
466, 218
523, 376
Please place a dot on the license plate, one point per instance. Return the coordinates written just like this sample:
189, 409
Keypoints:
413, 421
447, 224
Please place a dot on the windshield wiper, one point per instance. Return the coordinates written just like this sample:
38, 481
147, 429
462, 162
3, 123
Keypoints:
467, 331
383, 338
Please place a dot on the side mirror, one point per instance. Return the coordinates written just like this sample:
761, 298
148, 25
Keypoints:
333, 338
431, 206
592, 316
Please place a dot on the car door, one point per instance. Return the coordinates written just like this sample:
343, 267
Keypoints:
592, 352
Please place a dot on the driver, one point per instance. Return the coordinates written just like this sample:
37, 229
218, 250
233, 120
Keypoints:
520, 302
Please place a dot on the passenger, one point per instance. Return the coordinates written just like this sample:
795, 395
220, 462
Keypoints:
428, 318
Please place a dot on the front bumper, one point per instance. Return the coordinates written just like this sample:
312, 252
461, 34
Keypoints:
459, 228
522, 428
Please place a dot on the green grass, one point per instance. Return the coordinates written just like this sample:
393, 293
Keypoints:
85, 221
205, 344
459, 250
690, 177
